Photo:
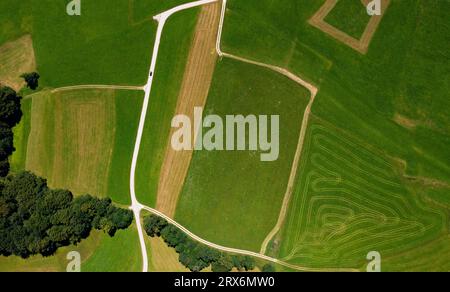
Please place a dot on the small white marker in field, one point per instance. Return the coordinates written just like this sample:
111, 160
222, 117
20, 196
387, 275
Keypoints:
75, 262
375, 261
74, 8
374, 8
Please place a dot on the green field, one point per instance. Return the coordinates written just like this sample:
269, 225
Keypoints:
169, 72
405, 73
350, 200
99, 253
349, 16
231, 197
110, 43
128, 107
21, 133
54, 144
121, 253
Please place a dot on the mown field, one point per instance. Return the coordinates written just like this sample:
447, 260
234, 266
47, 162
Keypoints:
350, 200
231, 197
169, 71
377, 172
81, 140
161, 257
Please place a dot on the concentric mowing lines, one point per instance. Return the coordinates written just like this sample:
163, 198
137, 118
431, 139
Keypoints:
350, 202
350, 158
368, 187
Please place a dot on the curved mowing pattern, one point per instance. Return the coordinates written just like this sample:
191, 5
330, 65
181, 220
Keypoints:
350, 201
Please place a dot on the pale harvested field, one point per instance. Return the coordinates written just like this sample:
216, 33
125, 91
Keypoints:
361, 45
164, 258
71, 139
194, 91
16, 58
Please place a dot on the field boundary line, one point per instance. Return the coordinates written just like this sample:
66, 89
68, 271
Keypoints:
94, 86
306, 117
87, 86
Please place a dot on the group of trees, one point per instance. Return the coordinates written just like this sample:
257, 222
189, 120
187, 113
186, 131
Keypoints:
192, 254
32, 79
10, 115
35, 219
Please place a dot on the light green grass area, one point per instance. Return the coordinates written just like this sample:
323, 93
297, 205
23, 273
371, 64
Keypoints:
406, 72
349, 16
169, 72
431, 257
99, 253
105, 45
128, 106
21, 133
231, 197
120, 253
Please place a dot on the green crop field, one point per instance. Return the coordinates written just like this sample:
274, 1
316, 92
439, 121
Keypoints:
128, 107
394, 99
350, 17
231, 197
172, 59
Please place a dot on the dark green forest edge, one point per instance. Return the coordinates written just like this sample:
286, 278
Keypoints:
194, 255
35, 219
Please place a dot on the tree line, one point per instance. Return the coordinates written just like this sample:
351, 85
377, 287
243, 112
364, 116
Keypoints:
192, 254
35, 219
